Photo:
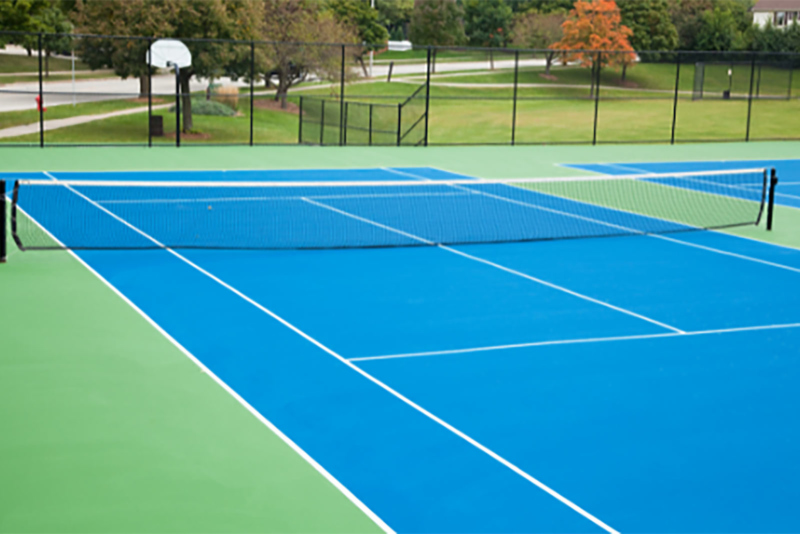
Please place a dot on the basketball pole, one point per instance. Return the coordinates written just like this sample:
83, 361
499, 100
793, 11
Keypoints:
177, 102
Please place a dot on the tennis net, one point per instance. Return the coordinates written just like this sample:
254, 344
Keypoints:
51, 214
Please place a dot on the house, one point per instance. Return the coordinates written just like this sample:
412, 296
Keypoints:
780, 13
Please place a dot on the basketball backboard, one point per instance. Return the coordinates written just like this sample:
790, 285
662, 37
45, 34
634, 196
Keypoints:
168, 53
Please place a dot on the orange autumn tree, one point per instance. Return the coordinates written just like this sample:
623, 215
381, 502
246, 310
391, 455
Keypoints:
596, 25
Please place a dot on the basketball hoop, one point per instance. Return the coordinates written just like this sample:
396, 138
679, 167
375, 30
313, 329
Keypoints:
169, 53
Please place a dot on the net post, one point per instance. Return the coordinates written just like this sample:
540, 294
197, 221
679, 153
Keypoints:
750, 95
150, 94
41, 96
14, 202
773, 181
598, 60
252, 81
300, 123
427, 97
3, 244
514, 105
675, 99
399, 123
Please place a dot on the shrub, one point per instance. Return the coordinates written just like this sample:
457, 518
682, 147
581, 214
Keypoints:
201, 106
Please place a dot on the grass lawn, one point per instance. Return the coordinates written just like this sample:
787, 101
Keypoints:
29, 116
34, 77
652, 76
17, 63
269, 126
484, 116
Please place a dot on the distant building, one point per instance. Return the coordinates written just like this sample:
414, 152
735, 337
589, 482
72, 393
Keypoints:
780, 13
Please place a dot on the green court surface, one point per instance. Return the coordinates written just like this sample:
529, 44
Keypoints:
109, 427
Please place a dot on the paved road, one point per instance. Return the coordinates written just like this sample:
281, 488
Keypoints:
21, 96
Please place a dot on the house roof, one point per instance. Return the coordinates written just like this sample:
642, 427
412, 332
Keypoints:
777, 5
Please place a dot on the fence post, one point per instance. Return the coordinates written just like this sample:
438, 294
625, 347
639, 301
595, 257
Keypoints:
344, 125
341, 97
399, 123
596, 98
150, 94
41, 96
514, 106
427, 97
300, 123
370, 124
252, 81
675, 99
322, 123
750, 95
177, 107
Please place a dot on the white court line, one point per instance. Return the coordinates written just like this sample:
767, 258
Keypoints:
573, 342
744, 187
369, 377
678, 241
279, 198
500, 267
275, 430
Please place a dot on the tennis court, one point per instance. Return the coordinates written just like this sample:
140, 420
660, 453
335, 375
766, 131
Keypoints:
460, 355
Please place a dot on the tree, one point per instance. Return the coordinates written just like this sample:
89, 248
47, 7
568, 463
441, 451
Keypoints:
596, 25
650, 22
120, 17
689, 18
538, 30
437, 23
288, 24
486, 23
180, 19
57, 40
718, 31
22, 16
358, 15
541, 6
395, 15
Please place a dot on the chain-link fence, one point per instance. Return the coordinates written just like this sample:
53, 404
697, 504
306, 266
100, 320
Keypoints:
58, 89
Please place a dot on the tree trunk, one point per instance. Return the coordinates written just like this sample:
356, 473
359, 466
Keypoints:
283, 88
549, 62
491, 59
624, 70
144, 86
433, 62
47, 64
363, 66
186, 101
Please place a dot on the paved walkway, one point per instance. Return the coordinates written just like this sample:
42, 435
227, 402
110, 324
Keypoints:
56, 124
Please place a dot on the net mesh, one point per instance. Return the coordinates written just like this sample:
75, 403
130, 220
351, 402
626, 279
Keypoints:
319, 215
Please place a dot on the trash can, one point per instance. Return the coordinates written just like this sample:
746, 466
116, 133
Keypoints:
157, 125
726, 94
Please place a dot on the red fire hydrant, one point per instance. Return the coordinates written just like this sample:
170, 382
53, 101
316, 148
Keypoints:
39, 106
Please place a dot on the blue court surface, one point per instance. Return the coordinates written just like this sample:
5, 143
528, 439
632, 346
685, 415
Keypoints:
641, 383
788, 193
